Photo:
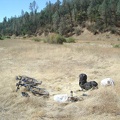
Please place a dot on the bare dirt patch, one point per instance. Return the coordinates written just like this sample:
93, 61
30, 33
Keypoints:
59, 66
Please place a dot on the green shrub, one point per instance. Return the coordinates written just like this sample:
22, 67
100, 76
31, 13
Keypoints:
24, 37
118, 39
116, 46
92, 28
60, 39
8, 37
1, 38
70, 40
55, 39
78, 31
113, 30
37, 39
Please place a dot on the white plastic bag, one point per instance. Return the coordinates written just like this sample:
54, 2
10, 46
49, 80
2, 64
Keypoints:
61, 98
107, 82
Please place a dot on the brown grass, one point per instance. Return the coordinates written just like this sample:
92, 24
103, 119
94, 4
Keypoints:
59, 66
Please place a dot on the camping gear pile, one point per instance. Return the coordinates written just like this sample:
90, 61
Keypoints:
31, 85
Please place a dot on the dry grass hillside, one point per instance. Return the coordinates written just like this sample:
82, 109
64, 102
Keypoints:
59, 66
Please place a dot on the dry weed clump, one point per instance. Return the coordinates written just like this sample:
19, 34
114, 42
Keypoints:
38, 115
22, 107
100, 102
60, 111
105, 100
32, 101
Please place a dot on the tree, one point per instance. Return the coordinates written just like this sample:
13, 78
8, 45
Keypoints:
56, 21
33, 7
105, 11
84, 4
62, 26
57, 7
49, 11
112, 13
80, 10
93, 10
118, 10
22, 13
5, 20
67, 8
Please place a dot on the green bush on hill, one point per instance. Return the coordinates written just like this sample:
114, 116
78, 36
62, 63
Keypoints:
4, 37
55, 39
116, 46
37, 39
70, 40
1, 37
58, 39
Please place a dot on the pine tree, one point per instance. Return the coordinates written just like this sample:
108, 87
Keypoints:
93, 9
56, 21
118, 14
112, 11
104, 11
118, 9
